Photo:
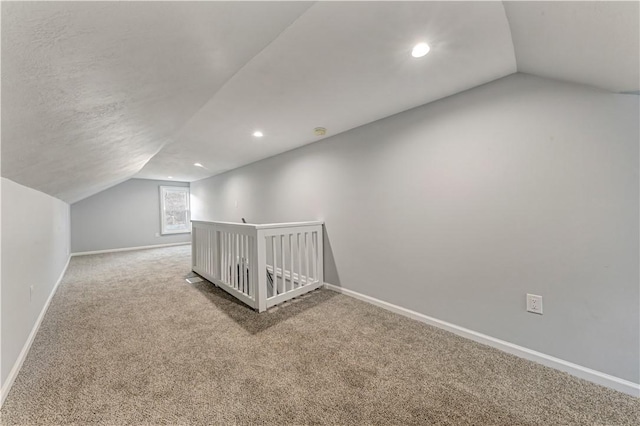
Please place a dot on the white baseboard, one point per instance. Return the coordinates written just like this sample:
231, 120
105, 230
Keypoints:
84, 253
589, 374
13, 374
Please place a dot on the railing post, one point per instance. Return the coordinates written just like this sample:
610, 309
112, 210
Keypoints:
261, 272
193, 246
320, 254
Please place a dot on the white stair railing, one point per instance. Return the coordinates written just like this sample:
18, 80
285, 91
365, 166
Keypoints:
261, 265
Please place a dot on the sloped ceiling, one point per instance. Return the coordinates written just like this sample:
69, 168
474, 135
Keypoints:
339, 66
92, 91
96, 93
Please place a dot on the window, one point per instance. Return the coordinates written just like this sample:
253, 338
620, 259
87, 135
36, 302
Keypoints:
174, 210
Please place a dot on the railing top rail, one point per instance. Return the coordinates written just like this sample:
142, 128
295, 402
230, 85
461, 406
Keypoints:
261, 226
288, 225
210, 222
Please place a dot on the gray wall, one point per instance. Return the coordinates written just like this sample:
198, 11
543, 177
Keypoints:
35, 250
459, 208
126, 215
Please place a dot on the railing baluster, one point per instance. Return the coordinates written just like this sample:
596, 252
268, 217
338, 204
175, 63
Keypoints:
299, 259
204, 251
225, 252
216, 262
291, 262
275, 274
248, 265
194, 250
205, 264
209, 251
213, 252
306, 257
235, 261
314, 254
199, 242
260, 269
227, 255
222, 255
243, 258
282, 260
240, 254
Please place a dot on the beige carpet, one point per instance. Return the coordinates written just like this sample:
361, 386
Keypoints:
128, 341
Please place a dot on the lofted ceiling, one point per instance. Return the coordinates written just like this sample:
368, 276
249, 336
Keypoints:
95, 93
91, 91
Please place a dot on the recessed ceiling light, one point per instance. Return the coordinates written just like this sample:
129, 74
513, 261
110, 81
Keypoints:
420, 49
169, 177
198, 165
258, 134
319, 131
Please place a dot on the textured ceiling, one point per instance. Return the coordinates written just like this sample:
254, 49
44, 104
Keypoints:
91, 91
95, 93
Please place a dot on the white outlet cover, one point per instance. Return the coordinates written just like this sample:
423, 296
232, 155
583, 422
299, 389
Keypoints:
534, 303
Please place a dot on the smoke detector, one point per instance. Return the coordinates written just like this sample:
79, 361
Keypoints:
320, 131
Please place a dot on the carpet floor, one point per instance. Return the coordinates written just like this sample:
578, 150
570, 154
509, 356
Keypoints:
127, 341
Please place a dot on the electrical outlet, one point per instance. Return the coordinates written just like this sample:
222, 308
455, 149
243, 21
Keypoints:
534, 303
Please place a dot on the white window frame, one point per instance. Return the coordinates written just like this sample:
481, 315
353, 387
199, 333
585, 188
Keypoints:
184, 189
